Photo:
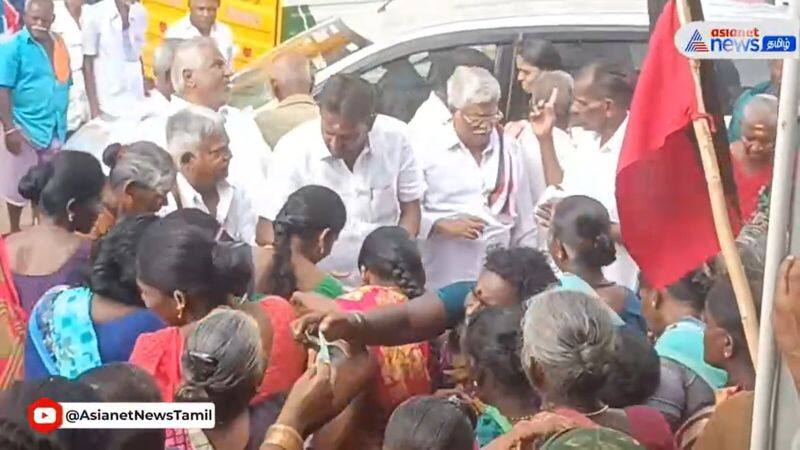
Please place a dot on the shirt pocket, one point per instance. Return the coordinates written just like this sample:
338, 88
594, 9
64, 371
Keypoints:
383, 203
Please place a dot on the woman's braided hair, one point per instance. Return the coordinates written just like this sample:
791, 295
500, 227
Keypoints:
307, 212
407, 280
389, 253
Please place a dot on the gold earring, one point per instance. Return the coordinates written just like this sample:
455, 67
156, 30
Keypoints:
180, 311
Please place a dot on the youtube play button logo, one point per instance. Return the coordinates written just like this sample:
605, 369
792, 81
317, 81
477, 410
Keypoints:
45, 415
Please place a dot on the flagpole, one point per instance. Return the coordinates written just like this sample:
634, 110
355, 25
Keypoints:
769, 373
719, 208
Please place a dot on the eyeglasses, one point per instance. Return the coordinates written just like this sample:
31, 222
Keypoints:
482, 122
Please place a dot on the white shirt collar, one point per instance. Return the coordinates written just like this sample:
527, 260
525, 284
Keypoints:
190, 198
615, 143
455, 143
178, 103
187, 26
158, 98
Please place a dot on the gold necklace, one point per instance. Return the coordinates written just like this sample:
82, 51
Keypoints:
520, 419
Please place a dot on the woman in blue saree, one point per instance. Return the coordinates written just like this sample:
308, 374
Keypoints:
73, 329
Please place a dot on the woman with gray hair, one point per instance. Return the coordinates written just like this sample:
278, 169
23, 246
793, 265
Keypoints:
473, 175
223, 363
142, 175
568, 343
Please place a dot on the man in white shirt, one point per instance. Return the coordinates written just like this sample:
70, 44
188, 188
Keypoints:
475, 184
434, 112
364, 157
601, 99
67, 25
113, 39
99, 133
163, 56
202, 21
199, 145
201, 77
552, 89
127, 130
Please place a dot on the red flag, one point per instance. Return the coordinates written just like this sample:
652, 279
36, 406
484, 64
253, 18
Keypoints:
662, 196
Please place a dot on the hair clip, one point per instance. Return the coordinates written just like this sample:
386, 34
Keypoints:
205, 357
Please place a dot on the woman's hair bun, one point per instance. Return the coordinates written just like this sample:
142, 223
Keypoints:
590, 369
190, 392
111, 154
605, 251
35, 181
601, 250
233, 266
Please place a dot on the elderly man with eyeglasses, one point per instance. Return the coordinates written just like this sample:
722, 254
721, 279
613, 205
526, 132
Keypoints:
473, 177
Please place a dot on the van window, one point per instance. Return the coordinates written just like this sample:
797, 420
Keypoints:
405, 83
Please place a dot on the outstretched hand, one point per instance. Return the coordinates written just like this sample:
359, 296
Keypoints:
335, 325
470, 227
311, 401
543, 115
544, 212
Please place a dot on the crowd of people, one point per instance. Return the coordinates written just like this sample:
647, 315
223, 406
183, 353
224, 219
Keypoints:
330, 277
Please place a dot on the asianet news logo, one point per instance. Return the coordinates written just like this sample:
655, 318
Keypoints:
704, 40
46, 415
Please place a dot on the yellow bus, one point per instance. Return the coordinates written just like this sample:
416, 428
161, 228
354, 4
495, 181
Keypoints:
257, 25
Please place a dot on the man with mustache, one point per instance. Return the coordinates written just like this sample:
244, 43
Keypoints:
365, 157
34, 93
201, 77
599, 116
198, 143
475, 184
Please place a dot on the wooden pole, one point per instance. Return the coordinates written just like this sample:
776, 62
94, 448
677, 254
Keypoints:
719, 209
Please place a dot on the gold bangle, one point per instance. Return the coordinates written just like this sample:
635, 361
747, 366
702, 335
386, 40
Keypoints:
291, 431
284, 437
